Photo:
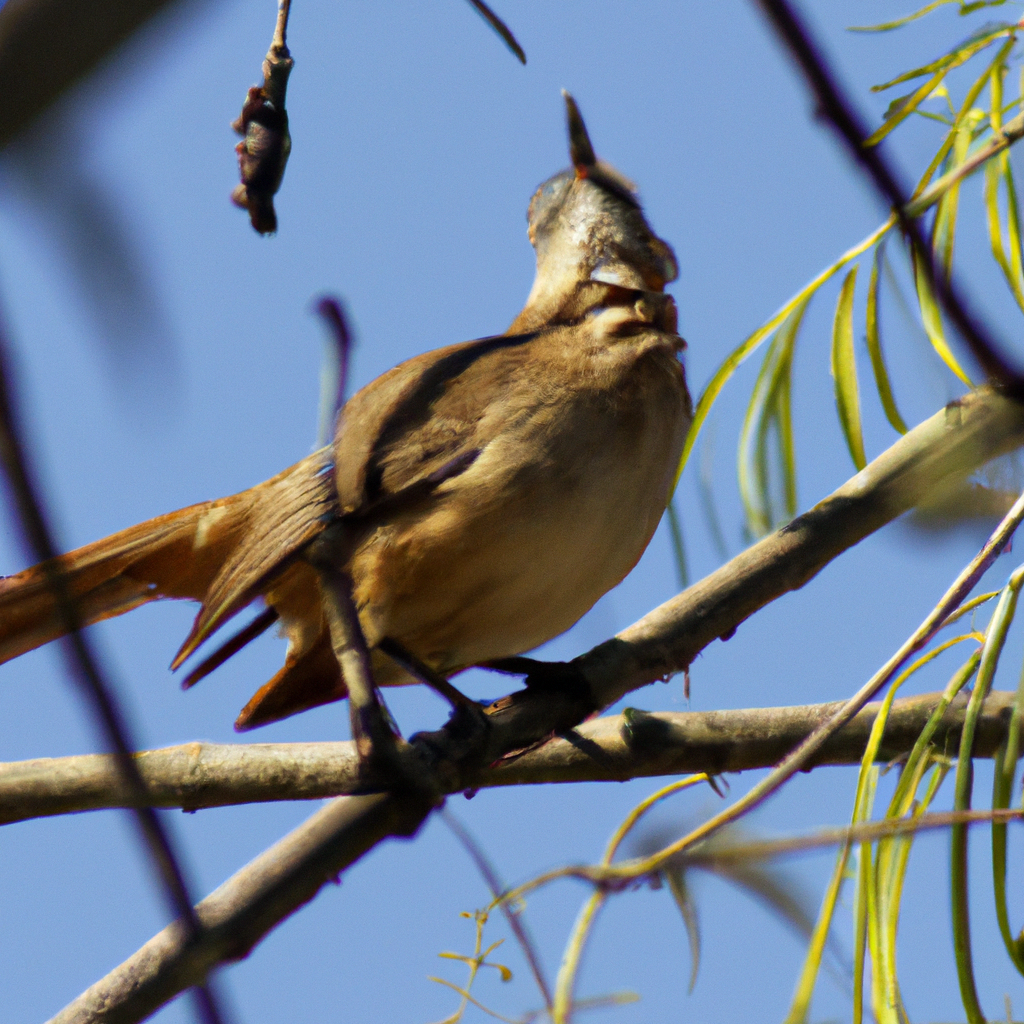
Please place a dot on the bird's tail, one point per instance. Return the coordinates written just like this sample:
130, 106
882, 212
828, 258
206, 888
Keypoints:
222, 553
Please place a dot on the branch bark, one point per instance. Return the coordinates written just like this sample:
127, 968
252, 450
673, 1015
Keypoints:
935, 455
615, 748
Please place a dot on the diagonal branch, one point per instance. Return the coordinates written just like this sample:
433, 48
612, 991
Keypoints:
936, 454
614, 748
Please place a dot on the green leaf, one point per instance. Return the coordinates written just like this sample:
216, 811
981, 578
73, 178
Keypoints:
931, 320
995, 639
747, 347
1002, 791
888, 26
954, 57
994, 175
675, 527
769, 406
844, 371
875, 350
944, 227
967, 113
865, 915
900, 109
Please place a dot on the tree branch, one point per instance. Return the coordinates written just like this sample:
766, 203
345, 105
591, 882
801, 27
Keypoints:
935, 455
636, 744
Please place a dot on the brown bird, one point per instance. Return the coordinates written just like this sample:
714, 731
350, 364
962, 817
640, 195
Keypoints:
488, 493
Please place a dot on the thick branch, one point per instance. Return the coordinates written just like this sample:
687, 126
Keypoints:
609, 749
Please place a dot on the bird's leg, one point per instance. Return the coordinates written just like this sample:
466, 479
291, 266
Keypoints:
376, 739
461, 704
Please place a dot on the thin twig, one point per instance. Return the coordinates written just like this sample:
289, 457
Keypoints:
839, 110
494, 883
85, 670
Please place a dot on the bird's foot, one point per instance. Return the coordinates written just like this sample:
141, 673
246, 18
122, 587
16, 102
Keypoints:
565, 677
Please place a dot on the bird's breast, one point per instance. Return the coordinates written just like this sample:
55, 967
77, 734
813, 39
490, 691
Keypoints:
581, 450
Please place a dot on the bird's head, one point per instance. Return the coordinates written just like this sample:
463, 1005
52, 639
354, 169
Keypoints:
587, 225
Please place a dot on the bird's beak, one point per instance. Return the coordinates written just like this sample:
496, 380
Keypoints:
581, 151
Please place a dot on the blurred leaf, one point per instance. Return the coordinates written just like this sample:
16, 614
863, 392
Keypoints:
47, 46
844, 371
993, 177
707, 498
770, 406
874, 343
49, 167
967, 502
675, 878
675, 527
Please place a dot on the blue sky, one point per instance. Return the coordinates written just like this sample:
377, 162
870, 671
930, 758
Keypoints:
418, 141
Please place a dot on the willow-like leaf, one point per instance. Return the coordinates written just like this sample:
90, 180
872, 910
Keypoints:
844, 371
874, 342
1012, 217
899, 110
801, 1003
944, 227
1002, 617
966, 111
993, 177
1002, 792
931, 320
750, 344
888, 26
953, 58
863, 895
904, 793
675, 879
787, 443
769, 404
705, 486
675, 529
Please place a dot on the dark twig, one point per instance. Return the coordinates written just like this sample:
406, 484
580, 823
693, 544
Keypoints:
84, 668
263, 124
834, 105
230, 647
375, 739
500, 27
334, 375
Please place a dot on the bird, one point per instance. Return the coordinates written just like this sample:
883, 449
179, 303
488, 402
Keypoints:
487, 493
